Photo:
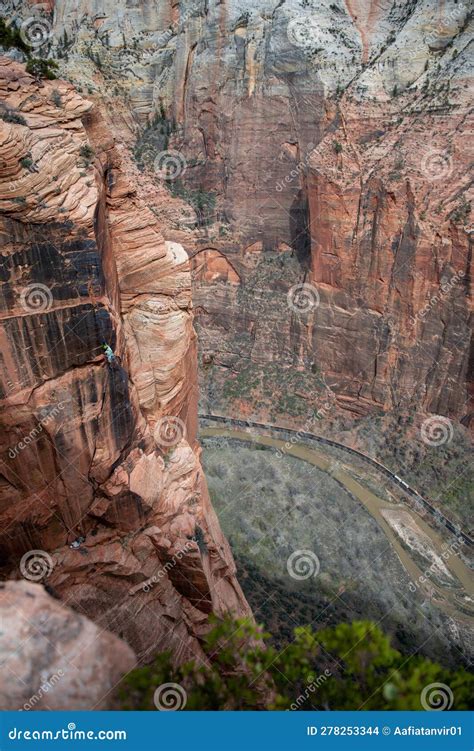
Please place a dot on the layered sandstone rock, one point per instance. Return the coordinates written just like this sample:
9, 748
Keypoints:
332, 136
53, 658
100, 455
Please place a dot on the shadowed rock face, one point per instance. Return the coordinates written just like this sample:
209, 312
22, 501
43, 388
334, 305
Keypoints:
103, 452
332, 137
53, 658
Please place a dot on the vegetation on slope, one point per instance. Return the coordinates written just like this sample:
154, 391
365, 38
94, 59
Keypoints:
347, 667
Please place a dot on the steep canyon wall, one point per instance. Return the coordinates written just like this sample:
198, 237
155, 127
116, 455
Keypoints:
99, 456
321, 144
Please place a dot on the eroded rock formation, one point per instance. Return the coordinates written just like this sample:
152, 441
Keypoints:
331, 136
101, 457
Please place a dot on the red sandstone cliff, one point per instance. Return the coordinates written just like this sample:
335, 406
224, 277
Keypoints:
89, 450
331, 138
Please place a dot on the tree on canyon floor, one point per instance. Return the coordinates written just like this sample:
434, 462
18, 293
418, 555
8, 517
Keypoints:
347, 667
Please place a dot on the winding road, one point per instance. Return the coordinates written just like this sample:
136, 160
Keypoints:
419, 501
455, 596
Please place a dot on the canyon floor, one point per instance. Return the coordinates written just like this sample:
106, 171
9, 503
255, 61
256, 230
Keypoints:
372, 551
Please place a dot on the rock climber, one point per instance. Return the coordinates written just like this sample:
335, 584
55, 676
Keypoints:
108, 353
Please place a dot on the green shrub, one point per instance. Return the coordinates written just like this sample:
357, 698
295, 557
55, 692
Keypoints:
461, 213
56, 98
10, 37
26, 162
86, 151
42, 68
11, 116
346, 667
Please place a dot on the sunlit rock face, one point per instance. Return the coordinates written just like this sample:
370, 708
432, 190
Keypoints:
327, 140
54, 658
100, 468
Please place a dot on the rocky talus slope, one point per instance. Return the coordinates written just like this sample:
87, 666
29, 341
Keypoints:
101, 457
319, 142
